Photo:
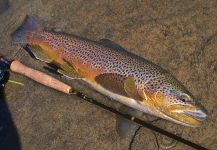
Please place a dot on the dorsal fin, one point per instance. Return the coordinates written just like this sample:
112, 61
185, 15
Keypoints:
111, 44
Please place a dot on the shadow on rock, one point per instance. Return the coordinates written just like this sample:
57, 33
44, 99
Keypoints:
9, 138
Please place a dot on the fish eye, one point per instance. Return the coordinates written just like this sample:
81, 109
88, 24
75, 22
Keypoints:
184, 97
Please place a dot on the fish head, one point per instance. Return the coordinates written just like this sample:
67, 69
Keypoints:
170, 100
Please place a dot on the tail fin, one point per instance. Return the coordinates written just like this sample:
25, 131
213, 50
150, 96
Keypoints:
20, 35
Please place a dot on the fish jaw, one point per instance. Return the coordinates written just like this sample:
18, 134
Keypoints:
190, 118
187, 115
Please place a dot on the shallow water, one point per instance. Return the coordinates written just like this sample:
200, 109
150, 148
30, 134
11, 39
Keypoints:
180, 36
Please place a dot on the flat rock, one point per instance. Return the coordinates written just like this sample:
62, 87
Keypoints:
180, 36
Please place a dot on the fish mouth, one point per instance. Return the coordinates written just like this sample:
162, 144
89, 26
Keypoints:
193, 118
199, 114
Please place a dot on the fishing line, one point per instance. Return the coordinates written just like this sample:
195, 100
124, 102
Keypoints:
16, 82
141, 122
133, 138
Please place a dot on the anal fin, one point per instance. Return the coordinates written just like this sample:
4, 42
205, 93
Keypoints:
39, 54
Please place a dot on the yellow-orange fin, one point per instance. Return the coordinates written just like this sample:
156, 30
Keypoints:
119, 84
131, 89
68, 71
39, 54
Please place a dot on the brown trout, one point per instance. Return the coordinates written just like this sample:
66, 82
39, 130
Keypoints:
115, 72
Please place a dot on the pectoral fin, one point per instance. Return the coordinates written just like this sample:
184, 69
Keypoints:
131, 89
39, 54
119, 84
125, 127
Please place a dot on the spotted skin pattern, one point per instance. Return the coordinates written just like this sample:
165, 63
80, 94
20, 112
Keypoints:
94, 61
97, 57
114, 72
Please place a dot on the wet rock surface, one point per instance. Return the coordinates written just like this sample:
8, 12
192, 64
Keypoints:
180, 36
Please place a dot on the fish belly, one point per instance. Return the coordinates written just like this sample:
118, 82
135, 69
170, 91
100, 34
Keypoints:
122, 99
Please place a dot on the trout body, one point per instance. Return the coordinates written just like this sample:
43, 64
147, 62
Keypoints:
115, 72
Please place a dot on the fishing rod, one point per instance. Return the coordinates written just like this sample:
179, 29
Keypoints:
141, 122
18, 67
38, 76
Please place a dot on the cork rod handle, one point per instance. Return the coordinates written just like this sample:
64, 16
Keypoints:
40, 77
